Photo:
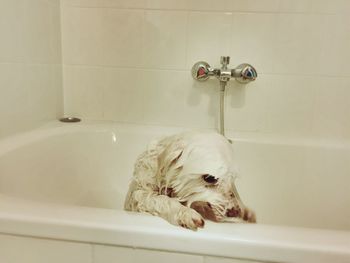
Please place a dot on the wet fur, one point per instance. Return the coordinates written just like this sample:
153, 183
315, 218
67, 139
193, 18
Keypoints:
168, 181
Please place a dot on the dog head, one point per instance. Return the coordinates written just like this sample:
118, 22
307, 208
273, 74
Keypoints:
201, 175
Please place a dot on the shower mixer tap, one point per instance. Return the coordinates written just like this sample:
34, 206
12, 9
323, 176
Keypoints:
243, 73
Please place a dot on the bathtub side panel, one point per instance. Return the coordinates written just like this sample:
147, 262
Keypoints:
17, 249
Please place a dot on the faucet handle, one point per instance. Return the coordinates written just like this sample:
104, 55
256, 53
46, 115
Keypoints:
244, 73
201, 71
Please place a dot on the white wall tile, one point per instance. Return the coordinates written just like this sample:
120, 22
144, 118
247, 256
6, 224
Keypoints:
335, 57
167, 4
201, 103
100, 36
107, 254
336, 6
289, 104
291, 6
124, 38
56, 32
41, 41
110, 254
313, 6
164, 39
207, 5
124, 96
83, 91
246, 105
30, 32
11, 28
251, 39
15, 249
44, 92
30, 55
208, 37
150, 256
331, 113
280, 43
31, 94
170, 86
299, 6
13, 92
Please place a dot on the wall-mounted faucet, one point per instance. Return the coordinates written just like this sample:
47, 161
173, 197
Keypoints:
243, 73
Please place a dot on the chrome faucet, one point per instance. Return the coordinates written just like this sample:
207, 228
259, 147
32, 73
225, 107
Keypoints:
243, 73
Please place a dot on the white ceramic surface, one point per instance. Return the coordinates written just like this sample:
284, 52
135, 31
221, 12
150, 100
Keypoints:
68, 181
30, 64
15, 249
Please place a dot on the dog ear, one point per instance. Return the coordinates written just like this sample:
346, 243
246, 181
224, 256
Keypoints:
172, 155
175, 158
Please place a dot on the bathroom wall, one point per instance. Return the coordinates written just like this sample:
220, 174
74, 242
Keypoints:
130, 61
30, 64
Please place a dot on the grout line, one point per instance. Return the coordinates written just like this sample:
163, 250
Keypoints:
125, 68
240, 11
30, 64
63, 92
187, 37
188, 70
92, 252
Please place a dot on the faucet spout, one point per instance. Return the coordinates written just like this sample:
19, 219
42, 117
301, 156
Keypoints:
224, 62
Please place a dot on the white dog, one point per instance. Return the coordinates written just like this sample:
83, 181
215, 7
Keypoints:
185, 178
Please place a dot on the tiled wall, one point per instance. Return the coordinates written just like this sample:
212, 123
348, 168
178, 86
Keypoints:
30, 64
34, 250
130, 61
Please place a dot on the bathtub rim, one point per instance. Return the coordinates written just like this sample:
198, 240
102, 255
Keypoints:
128, 229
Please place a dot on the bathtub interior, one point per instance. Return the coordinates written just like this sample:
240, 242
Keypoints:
294, 184
76, 168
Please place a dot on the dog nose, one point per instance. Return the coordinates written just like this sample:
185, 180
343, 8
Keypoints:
233, 212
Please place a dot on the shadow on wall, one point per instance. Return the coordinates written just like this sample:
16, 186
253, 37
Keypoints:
235, 96
202, 91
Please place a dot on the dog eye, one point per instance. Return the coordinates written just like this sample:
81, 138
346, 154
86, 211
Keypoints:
210, 179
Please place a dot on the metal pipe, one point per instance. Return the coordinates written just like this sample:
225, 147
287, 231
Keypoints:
222, 107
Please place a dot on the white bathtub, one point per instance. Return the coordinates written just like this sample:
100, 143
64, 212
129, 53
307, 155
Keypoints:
62, 188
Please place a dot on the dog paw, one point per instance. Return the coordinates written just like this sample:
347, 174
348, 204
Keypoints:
249, 215
189, 218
